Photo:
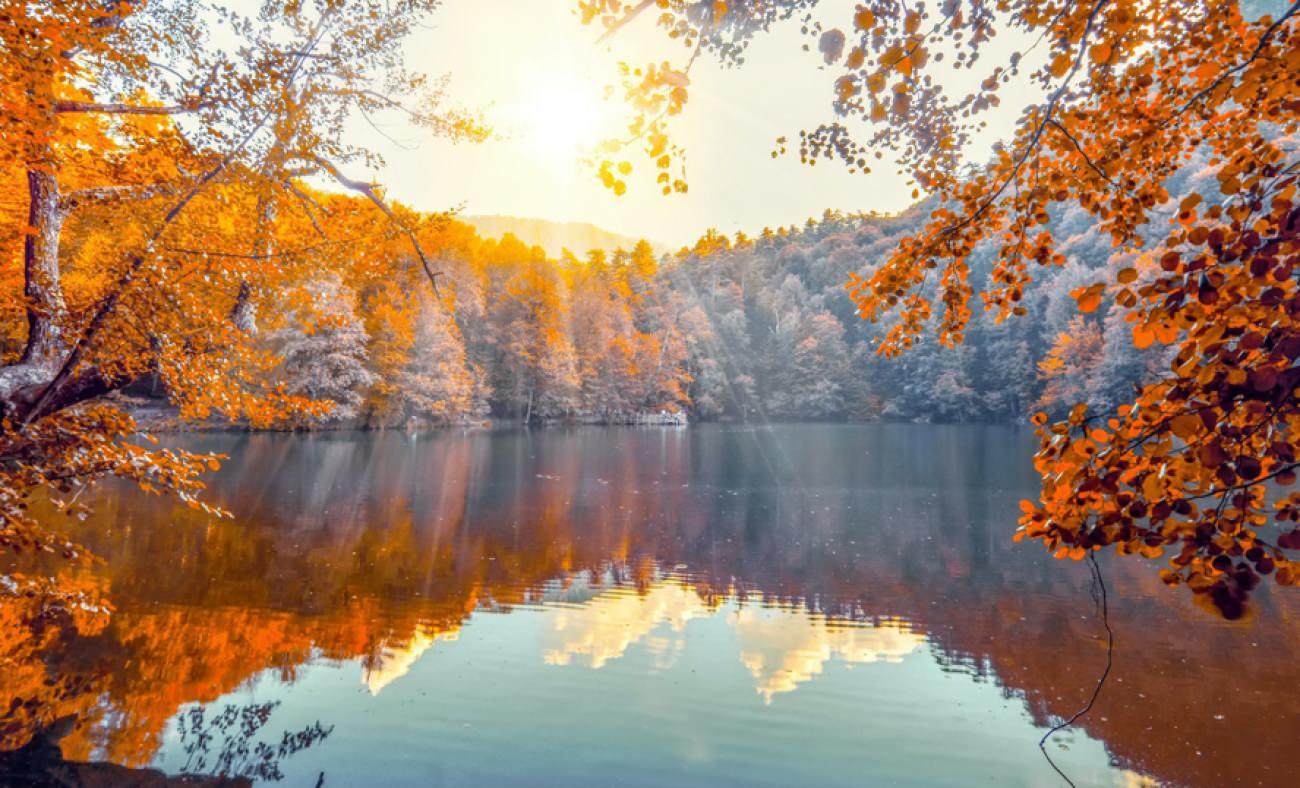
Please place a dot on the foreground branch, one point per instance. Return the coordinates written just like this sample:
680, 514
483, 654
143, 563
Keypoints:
372, 194
123, 109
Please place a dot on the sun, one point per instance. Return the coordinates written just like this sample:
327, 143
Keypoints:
562, 118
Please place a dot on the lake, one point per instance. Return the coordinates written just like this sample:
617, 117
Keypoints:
819, 605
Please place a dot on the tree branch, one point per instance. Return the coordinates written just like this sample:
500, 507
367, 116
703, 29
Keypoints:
632, 13
1263, 42
1057, 125
124, 109
1103, 611
368, 189
87, 384
143, 191
308, 203
1031, 144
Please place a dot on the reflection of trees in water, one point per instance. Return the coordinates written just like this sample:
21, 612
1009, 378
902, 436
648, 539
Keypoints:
221, 750
365, 548
233, 732
41, 631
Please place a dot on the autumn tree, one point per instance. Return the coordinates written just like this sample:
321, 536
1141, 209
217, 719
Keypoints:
1131, 91
176, 169
604, 338
535, 363
1070, 364
663, 377
438, 384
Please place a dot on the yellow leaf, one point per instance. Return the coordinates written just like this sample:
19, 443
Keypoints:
1152, 488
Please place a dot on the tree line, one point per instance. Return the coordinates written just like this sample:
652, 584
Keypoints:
732, 327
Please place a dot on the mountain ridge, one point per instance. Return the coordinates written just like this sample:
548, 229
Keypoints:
554, 236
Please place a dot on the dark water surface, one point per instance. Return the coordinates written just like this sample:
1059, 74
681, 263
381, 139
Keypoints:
714, 606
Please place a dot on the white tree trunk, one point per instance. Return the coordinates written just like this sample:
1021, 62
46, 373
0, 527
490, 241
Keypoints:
46, 310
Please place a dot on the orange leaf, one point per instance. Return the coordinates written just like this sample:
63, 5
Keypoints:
1143, 336
1089, 301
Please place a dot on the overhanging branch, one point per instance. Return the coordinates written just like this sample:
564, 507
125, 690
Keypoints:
372, 194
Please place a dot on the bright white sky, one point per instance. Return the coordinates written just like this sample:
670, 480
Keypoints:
539, 76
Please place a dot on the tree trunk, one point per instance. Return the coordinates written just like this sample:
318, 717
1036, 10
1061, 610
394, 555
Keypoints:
46, 310
46, 348
244, 313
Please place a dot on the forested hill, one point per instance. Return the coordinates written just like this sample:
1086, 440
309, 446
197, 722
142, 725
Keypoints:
736, 327
783, 340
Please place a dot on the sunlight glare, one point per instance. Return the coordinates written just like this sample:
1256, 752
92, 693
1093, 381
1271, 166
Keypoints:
562, 120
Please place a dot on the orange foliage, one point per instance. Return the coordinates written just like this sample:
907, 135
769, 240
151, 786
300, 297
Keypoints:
1133, 90
136, 244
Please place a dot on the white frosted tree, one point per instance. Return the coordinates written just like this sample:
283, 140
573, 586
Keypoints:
807, 367
439, 384
323, 351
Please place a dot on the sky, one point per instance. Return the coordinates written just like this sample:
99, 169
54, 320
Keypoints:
539, 77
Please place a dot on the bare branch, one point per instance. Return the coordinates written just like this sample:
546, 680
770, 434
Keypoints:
306, 54
446, 124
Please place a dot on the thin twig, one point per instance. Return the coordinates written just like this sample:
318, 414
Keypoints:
372, 194
1056, 124
1100, 584
1263, 42
628, 17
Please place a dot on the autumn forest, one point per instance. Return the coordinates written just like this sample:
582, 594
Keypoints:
1021, 372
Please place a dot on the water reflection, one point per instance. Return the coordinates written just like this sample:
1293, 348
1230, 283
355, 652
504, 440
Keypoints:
788, 567
782, 649
604, 627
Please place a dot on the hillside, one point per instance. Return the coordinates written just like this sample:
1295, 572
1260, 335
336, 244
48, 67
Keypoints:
577, 237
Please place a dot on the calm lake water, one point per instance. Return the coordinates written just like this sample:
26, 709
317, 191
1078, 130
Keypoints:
714, 606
